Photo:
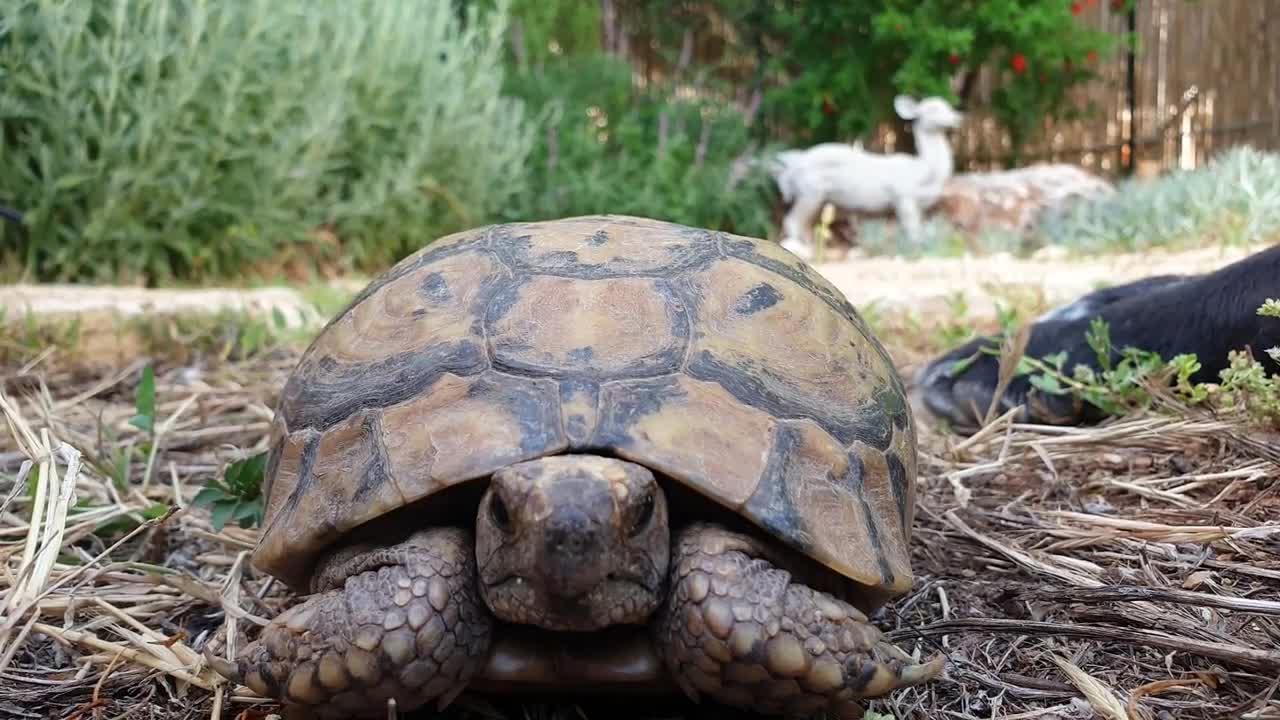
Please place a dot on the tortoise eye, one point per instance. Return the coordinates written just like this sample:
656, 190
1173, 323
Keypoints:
643, 516
498, 513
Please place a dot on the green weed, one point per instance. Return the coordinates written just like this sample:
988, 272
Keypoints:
1141, 380
237, 496
954, 332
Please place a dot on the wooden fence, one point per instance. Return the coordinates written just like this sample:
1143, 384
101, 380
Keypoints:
1205, 77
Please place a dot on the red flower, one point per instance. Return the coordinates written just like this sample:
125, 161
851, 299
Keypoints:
954, 59
1019, 63
1093, 56
1076, 8
1117, 4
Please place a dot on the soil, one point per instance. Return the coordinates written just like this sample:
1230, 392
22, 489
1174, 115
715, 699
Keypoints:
1127, 572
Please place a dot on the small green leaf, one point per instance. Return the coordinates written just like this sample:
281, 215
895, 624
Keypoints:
221, 513
1047, 383
1099, 338
247, 513
244, 477
209, 495
145, 404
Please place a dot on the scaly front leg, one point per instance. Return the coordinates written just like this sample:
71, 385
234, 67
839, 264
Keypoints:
402, 622
737, 629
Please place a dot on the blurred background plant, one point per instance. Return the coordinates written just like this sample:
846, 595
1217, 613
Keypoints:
607, 144
168, 140
165, 142
1234, 200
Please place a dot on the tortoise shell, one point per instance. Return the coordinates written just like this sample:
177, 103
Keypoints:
722, 362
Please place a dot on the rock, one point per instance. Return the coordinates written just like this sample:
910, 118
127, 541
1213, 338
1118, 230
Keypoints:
1015, 200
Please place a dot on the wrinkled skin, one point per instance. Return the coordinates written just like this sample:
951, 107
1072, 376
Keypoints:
1208, 315
576, 544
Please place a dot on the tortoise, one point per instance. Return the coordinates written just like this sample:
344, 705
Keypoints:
601, 452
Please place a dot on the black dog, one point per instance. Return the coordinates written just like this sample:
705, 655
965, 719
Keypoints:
1208, 315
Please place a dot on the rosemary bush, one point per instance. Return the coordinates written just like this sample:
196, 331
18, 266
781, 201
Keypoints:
165, 141
1232, 200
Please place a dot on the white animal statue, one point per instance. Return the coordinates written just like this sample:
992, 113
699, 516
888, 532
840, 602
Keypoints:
854, 180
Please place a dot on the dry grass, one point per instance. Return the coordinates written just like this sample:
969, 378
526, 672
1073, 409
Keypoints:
1126, 572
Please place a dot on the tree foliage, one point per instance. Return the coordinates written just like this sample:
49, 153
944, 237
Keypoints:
830, 70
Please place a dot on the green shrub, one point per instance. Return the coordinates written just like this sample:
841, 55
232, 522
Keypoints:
602, 148
606, 144
1233, 200
170, 140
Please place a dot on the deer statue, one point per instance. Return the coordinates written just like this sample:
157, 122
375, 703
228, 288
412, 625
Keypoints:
854, 180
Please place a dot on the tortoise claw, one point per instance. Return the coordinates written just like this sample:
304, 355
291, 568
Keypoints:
223, 667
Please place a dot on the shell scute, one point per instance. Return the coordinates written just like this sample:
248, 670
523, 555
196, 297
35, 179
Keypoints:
608, 328
689, 429
328, 483
397, 343
465, 428
775, 345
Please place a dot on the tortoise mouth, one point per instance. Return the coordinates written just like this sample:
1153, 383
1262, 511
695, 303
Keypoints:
620, 598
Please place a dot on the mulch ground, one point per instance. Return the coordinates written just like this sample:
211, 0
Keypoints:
1126, 572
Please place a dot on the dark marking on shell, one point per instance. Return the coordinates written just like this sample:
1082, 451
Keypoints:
771, 502
760, 297
503, 297
898, 483
806, 278
305, 476
582, 354
678, 308
658, 364
598, 238
272, 465
435, 288
323, 392
624, 403
532, 404
375, 474
853, 479
845, 424
477, 241
515, 251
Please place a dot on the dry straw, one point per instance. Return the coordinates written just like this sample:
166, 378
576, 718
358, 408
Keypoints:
1130, 570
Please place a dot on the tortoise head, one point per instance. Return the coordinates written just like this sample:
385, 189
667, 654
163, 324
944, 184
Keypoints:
573, 542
